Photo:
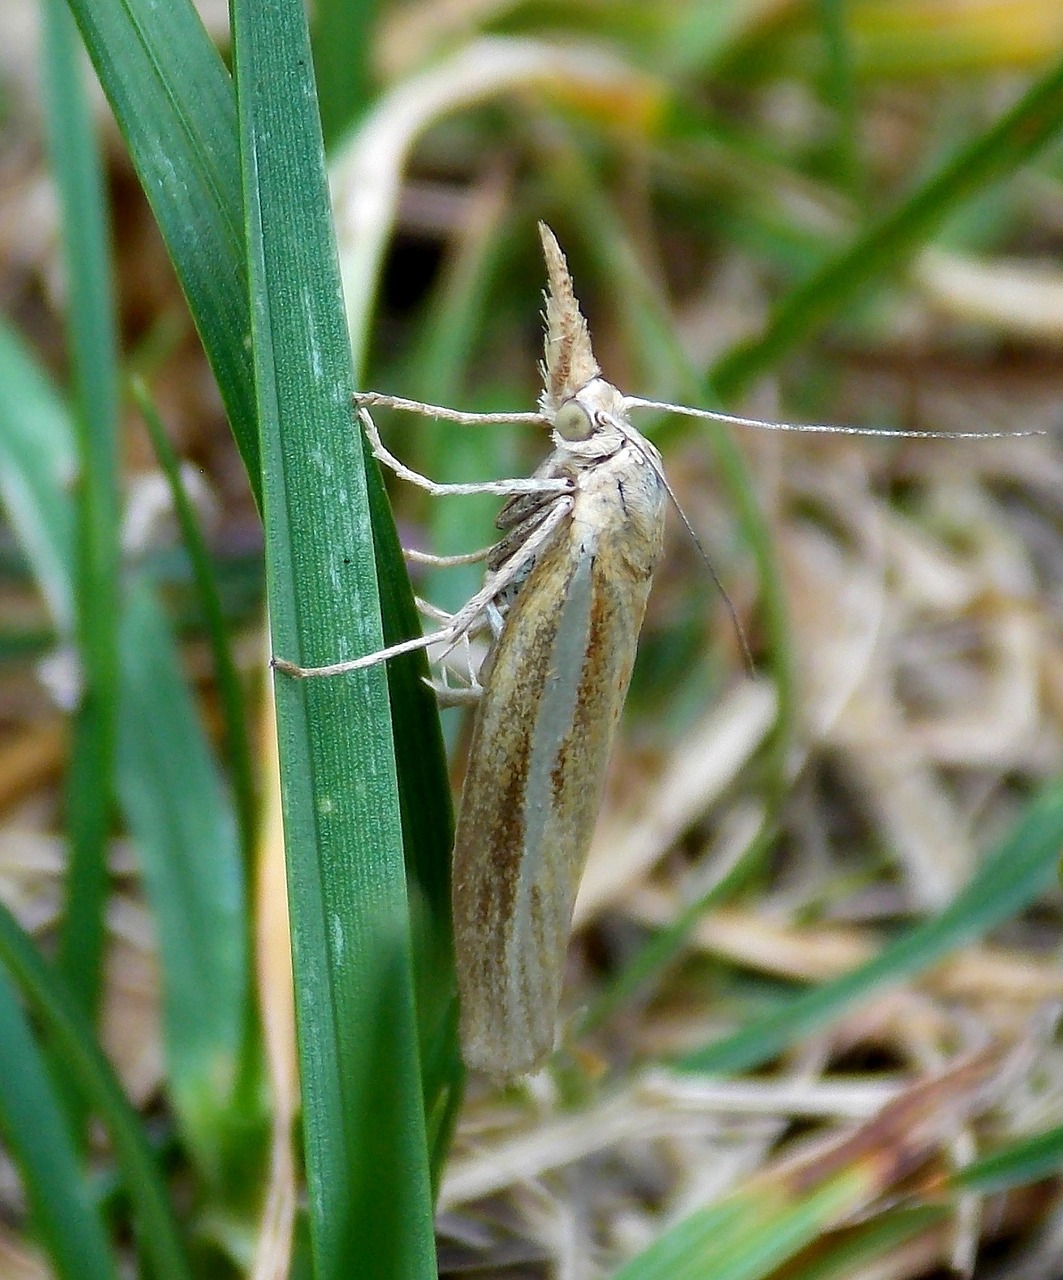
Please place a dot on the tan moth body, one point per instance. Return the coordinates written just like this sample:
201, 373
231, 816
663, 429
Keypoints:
554, 686
564, 594
541, 742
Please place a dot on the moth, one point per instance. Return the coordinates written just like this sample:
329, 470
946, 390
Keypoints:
563, 601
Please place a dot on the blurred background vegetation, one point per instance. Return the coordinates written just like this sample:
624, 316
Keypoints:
809, 1028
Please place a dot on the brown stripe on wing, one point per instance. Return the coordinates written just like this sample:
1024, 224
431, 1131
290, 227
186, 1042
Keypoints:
490, 838
583, 757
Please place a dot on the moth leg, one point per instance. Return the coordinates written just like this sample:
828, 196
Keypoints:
448, 636
441, 616
456, 626
446, 562
465, 695
505, 488
447, 696
509, 570
495, 620
462, 622
369, 399
473, 672
428, 610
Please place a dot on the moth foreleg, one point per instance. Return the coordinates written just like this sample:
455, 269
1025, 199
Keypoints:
504, 488
370, 399
456, 627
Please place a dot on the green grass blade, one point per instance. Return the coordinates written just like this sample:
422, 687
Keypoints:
93, 349
880, 251
744, 1238
702, 35
65, 1025
1028, 1160
427, 831
774, 1216
842, 1256
174, 103
186, 839
238, 746
427, 835
36, 454
86, 264
35, 1132
167, 783
1009, 880
363, 1119
342, 40
235, 958
840, 96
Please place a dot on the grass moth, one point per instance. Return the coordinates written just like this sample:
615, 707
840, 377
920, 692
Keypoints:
564, 596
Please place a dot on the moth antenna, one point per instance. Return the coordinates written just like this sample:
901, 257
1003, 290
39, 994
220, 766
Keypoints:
821, 428
743, 643
634, 438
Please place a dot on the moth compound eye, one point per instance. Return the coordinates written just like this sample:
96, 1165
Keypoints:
573, 422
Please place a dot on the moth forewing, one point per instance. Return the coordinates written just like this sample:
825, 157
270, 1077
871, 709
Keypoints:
554, 687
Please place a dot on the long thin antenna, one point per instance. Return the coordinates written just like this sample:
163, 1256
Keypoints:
739, 631
820, 428
639, 441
